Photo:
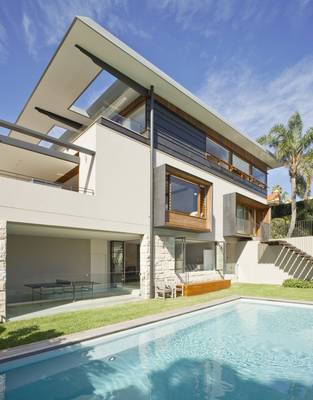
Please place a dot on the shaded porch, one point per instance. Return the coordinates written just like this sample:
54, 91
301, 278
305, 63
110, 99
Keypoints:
49, 267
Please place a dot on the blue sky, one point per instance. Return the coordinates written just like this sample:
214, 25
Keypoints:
251, 60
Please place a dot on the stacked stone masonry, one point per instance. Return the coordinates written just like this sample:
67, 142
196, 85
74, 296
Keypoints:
165, 265
3, 240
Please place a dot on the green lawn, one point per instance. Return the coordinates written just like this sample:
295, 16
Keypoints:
22, 332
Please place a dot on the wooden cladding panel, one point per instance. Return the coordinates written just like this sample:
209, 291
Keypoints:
186, 222
193, 289
70, 174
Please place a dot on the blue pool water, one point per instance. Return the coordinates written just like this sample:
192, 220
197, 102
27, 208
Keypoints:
237, 351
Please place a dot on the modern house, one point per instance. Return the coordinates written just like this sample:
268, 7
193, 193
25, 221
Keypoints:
89, 178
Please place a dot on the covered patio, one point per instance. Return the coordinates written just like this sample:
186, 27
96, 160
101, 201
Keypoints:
49, 268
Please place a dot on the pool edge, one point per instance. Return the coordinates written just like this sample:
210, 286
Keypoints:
31, 349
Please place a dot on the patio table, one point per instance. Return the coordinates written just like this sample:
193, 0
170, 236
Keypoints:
61, 286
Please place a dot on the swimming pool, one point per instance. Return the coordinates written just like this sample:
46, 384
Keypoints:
240, 350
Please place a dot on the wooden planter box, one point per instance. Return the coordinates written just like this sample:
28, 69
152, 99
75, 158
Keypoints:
192, 289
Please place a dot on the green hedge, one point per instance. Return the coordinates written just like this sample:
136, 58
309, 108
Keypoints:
298, 283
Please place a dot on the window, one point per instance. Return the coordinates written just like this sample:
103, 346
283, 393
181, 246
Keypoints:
258, 174
136, 121
217, 150
186, 197
240, 164
243, 219
194, 255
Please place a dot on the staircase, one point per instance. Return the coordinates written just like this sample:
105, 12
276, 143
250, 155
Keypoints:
293, 260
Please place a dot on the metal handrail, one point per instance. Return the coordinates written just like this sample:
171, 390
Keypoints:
32, 179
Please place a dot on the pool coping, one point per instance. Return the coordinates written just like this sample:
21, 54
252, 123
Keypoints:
31, 349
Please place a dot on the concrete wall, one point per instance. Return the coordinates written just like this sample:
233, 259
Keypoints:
32, 259
255, 265
303, 243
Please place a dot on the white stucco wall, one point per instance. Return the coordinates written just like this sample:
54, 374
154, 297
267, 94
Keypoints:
119, 174
304, 243
250, 270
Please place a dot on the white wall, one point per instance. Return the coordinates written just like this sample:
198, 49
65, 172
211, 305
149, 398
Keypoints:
250, 270
303, 243
99, 261
33, 259
120, 177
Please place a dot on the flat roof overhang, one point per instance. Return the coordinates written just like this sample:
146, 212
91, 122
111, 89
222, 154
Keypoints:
16, 228
70, 72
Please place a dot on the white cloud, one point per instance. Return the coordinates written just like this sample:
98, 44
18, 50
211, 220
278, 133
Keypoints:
54, 18
29, 33
3, 44
209, 16
254, 103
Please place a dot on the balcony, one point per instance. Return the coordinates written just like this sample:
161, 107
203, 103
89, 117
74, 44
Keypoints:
245, 217
54, 184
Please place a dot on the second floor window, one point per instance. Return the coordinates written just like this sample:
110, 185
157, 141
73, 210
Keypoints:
240, 164
186, 197
217, 150
259, 175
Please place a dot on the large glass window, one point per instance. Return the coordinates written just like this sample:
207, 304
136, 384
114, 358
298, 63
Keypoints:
136, 121
259, 175
186, 197
194, 256
243, 219
240, 164
217, 150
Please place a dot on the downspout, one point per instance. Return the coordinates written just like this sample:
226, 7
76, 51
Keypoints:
152, 162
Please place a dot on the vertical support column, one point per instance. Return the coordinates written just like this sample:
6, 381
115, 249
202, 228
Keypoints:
3, 252
164, 263
99, 266
165, 258
145, 267
152, 164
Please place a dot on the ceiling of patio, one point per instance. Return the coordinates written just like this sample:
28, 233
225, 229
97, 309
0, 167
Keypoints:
70, 233
35, 165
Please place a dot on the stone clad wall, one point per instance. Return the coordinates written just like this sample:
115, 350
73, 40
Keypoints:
165, 265
3, 242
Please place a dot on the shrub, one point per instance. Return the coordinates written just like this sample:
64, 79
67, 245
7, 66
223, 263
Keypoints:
298, 283
279, 228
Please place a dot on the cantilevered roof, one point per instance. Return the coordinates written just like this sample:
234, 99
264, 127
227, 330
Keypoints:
70, 72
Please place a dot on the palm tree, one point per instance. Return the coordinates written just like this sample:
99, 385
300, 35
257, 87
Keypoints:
306, 170
290, 146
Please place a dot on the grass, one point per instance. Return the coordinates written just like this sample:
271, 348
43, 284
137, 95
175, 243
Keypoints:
22, 332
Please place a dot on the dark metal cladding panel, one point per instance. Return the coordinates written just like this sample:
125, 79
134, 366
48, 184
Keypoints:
178, 138
229, 214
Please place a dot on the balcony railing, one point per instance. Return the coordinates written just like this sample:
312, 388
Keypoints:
26, 178
236, 171
244, 226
